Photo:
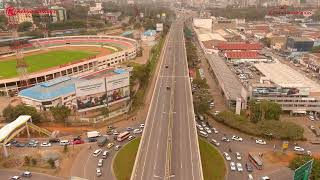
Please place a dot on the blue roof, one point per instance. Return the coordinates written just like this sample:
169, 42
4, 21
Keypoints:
50, 90
150, 32
120, 71
127, 33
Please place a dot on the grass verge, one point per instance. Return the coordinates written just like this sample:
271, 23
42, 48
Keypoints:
213, 166
124, 161
43, 61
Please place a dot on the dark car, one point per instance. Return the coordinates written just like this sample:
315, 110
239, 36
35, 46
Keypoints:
31, 144
13, 142
129, 129
168, 88
109, 132
249, 167
20, 145
54, 140
167, 66
92, 139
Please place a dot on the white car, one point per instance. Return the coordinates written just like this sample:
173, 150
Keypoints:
208, 130
137, 131
260, 141
215, 142
239, 167
98, 172
45, 144
64, 142
141, 125
265, 178
236, 138
238, 155
215, 130
97, 152
130, 138
216, 113
15, 177
298, 148
226, 155
199, 127
232, 166
100, 162
311, 118
203, 124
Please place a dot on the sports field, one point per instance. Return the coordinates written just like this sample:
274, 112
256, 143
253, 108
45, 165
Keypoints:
43, 61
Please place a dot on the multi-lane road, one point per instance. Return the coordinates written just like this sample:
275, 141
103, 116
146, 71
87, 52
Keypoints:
169, 146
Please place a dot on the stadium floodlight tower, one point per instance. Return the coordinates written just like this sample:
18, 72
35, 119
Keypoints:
21, 66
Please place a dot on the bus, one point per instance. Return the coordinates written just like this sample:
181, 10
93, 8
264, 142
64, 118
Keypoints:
123, 136
255, 160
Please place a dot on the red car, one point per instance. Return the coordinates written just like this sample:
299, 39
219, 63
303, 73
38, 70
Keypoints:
78, 141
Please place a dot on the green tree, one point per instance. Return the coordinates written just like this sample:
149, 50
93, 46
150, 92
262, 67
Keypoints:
315, 49
105, 111
11, 113
300, 160
266, 41
51, 163
264, 110
77, 12
34, 162
27, 160
24, 26
60, 113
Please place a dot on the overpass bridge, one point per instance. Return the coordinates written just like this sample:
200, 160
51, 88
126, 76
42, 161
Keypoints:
11, 130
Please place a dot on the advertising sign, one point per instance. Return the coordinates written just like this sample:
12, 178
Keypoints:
159, 26
12, 11
91, 94
118, 94
116, 82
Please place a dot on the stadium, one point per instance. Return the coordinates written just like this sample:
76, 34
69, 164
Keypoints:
50, 58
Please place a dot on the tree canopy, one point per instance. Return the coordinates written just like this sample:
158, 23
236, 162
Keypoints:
300, 160
11, 113
24, 26
264, 110
60, 113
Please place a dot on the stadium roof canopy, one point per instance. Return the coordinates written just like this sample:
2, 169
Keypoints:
9, 128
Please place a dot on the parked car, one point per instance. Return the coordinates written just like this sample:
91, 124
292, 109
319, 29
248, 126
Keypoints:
54, 140
215, 142
110, 145
64, 142
78, 142
45, 144
226, 155
249, 167
98, 172
15, 178
105, 154
236, 138
199, 127
260, 141
232, 166
130, 138
141, 125
26, 174
298, 148
97, 152
208, 130
117, 147
137, 131
215, 130
239, 167
129, 129
238, 155
265, 178
100, 162
225, 139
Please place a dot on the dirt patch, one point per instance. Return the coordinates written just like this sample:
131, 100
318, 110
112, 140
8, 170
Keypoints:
278, 158
145, 55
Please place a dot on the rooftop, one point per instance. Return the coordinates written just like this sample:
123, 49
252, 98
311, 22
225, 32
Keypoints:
285, 76
241, 54
239, 46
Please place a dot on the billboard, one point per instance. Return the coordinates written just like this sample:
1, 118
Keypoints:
159, 26
116, 82
91, 94
117, 94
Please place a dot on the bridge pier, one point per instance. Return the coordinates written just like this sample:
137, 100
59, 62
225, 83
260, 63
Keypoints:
5, 151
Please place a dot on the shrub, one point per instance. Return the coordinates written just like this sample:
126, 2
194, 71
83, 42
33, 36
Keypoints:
27, 160
279, 129
34, 162
51, 163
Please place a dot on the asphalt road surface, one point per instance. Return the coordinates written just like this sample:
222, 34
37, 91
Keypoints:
7, 174
169, 147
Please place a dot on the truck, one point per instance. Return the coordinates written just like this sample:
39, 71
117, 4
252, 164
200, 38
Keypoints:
102, 141
93, 134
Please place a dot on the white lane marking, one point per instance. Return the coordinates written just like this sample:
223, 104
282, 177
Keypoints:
136, 162
155, 110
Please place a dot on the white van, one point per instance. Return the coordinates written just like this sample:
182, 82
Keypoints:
97, 152
250, 177
64, 142
203, 134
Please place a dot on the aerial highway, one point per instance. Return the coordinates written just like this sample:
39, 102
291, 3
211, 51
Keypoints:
169, 146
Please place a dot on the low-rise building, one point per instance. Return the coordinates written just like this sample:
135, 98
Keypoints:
60, 14
299, 44
91, 91
244, 57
